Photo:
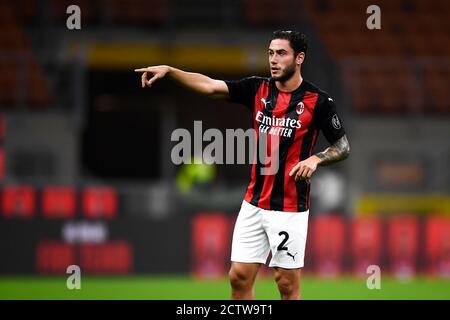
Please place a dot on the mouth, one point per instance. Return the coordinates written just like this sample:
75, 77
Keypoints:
274, 70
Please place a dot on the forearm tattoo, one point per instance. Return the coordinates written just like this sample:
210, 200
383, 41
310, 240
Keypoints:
334, 153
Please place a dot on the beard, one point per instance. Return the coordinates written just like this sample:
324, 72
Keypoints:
286, 74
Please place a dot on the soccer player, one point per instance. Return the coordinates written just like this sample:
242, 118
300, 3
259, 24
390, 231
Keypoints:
274, 213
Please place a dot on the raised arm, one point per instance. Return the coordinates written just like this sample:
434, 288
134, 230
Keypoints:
194, 81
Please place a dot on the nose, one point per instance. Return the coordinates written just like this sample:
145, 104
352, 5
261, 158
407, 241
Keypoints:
272, 59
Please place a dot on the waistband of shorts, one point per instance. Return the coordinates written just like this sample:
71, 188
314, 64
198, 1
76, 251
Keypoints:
265, 209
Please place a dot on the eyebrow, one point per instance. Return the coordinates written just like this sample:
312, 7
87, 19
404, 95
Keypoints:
279, 50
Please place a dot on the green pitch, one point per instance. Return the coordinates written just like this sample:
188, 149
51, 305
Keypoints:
185, 288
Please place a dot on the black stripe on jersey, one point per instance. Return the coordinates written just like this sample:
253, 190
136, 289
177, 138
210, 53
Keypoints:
277, 195
302, 185
259, 178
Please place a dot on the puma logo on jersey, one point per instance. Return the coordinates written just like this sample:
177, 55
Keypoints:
265, 102
290, 255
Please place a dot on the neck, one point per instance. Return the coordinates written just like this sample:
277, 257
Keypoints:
291, 84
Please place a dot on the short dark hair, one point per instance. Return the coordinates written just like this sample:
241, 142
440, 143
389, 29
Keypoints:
297, 40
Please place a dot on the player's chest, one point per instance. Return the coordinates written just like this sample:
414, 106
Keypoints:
285, 110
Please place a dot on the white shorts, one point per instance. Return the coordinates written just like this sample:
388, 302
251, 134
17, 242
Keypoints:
258, 232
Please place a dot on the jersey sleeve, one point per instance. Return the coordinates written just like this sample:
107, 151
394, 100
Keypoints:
329, 121
243, 91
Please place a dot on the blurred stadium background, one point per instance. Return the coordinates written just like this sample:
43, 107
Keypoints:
85, 169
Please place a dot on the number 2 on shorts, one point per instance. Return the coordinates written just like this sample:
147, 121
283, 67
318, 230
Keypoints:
286, 237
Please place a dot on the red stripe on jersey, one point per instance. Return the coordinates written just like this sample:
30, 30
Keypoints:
263, 92
272, 144
290, 190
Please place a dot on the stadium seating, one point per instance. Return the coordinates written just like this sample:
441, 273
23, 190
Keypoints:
412, 32
118, 12
22, 81
269, 13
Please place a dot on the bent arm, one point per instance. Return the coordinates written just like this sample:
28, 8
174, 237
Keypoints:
336, 152
340, 150
194, 81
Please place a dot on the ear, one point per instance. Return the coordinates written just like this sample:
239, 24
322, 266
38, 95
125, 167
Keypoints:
300, 58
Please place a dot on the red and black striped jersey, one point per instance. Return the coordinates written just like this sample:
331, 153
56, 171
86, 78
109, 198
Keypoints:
290, 122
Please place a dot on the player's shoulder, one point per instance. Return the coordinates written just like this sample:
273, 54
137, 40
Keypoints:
313, 88
258, 79
322, 96
251, 80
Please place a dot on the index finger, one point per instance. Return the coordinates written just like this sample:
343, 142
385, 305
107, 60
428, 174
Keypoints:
140, 70
294, 169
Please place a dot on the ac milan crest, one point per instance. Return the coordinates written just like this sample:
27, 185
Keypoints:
300, 108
